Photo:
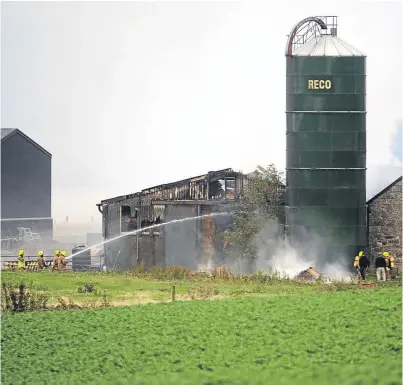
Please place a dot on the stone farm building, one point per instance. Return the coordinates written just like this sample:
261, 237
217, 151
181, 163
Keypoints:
384, 217
194, 243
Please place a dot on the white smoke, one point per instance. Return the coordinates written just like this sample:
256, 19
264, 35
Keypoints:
276, 255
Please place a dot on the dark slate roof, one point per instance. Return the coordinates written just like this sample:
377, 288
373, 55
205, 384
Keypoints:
8, 132
385, 189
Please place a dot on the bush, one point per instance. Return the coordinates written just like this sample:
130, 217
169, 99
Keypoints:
88, 288
18, 298
138, 270
162, 273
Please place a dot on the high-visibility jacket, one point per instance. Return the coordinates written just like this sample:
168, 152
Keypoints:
62, 262
392, 262
21, 262
56, 260
356, 261
40, 262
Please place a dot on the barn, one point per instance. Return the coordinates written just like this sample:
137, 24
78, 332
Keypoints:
25, 189
195, 244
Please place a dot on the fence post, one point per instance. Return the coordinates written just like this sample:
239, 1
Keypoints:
173, 293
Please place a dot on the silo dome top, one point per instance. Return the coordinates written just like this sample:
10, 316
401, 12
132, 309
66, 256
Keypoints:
317, 36
327, 45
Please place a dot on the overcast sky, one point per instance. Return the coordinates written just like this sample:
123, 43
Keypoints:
135, 94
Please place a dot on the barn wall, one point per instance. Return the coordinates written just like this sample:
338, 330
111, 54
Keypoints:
25, 181
151, 249
180, 238
112, 215
111, 229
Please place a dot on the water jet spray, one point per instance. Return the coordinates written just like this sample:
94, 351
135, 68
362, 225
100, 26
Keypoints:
148, 228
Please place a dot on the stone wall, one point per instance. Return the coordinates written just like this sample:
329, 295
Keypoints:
385, 223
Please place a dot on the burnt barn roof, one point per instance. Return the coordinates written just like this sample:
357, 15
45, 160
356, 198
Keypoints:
211, 176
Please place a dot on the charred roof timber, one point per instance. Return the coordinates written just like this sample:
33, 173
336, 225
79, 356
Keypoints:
100, 209
181, 188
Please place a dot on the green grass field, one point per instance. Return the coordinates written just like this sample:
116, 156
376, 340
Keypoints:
281, 333
124, 289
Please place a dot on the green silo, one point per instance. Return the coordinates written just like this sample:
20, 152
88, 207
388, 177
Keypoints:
326, 141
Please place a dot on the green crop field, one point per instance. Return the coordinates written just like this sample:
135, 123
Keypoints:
348, 337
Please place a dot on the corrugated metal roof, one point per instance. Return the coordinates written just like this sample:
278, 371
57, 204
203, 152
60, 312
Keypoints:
327, 45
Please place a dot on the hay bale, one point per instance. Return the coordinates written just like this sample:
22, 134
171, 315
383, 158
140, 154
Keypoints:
310, 274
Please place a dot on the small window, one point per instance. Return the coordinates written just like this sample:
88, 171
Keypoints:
128, 219
217, 189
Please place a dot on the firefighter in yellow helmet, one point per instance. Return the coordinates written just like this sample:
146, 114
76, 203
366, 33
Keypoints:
363, 264
56, 259
389, 262
21, 260
62, 260
392, 265
40, 262
357, 262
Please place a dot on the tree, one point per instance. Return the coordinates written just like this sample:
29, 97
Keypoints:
262, 199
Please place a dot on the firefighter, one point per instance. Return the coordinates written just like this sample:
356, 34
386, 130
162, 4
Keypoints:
356, 261
62, 260
388, 261
40, 262
392, 265
56, 260
21, 260
363, 264
380, 266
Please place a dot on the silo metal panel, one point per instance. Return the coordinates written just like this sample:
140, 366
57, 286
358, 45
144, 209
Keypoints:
326, 152
297, 197
328, 122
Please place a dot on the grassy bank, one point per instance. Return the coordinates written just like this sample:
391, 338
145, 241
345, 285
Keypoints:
140, 288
